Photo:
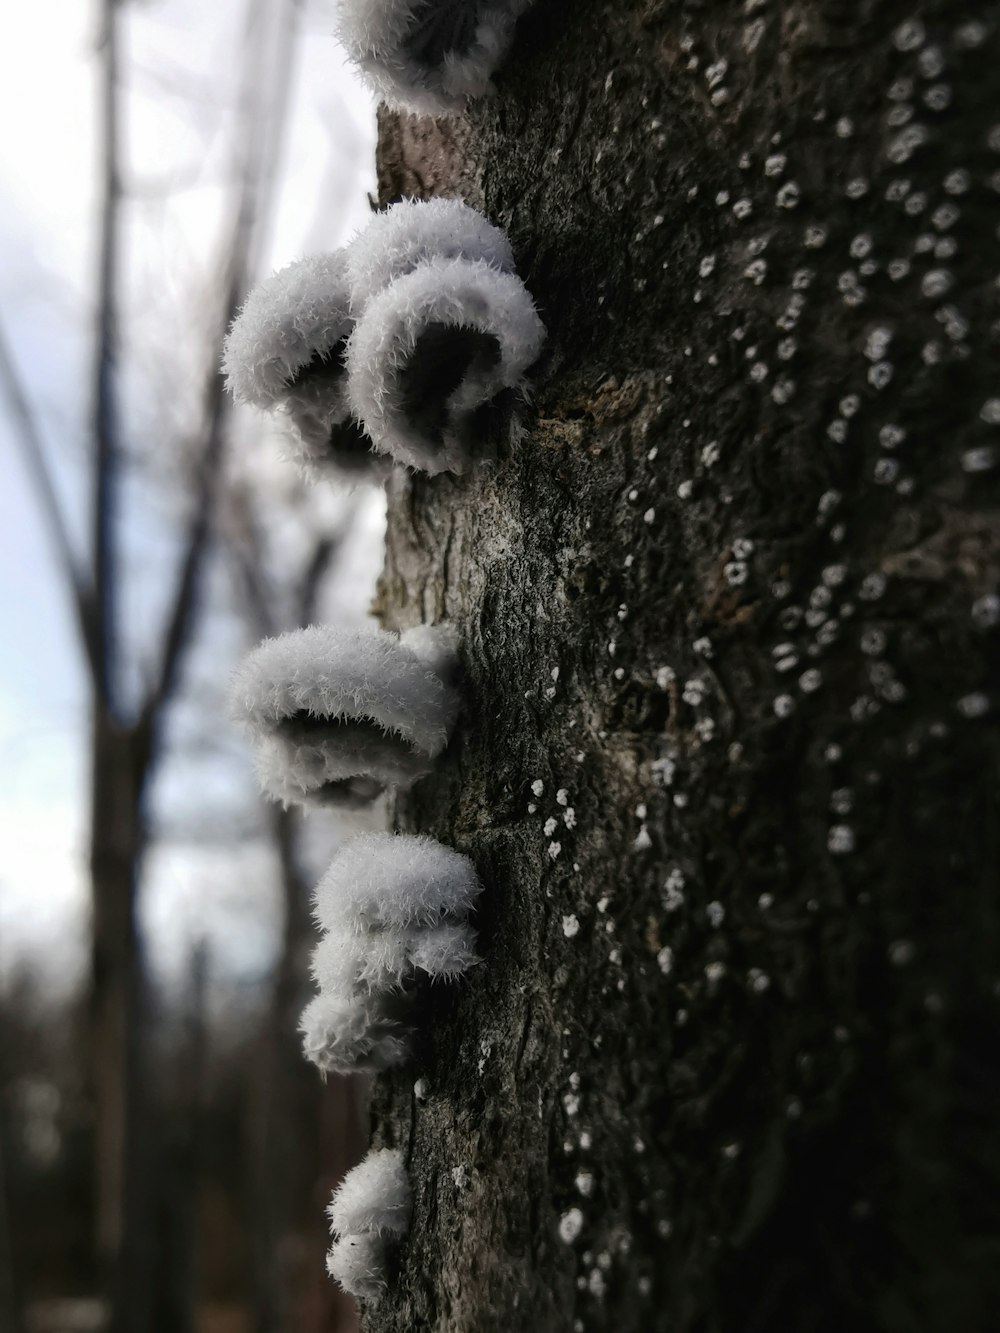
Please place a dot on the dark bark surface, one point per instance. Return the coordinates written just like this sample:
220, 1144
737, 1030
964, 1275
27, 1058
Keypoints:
727, 763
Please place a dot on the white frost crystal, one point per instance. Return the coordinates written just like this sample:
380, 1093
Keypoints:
428, 56
437, 359
358, 1264
347, 1033
336, 716
285, 352
390, 907
370, 1207
384, 880
374, 1196
411, 233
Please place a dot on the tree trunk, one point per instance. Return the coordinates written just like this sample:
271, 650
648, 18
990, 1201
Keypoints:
727, 763
124, 1185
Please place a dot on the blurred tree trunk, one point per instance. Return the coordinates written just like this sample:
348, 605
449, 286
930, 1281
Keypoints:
728, 762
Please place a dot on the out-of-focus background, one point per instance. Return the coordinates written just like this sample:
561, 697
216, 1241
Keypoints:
165, 1152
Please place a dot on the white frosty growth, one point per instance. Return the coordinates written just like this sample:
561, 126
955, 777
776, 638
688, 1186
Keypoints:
373, 1196
293, 318
346, 1034
358, 1264
428, 56
345, 960
436, 361
285, 352
445, 952
436, 646
338, 715
414, 231
395, 881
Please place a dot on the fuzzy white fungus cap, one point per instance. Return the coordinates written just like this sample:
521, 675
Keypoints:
428, 56
358, 1264
379, 881
285, 353
337, 715
351, 1033
379, 960
298, 315
446, 952
386, 959
373, 1197
432, 351
414, 231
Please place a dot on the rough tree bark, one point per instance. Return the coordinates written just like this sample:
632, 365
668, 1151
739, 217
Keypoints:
728, 762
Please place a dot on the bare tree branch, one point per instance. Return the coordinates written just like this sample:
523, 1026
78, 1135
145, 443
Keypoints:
259, 146
28, 436
104, 411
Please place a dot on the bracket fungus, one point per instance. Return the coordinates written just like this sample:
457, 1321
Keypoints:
428, 56
438, 359
285, 353
337, 716
368, 1210
390, 907
414, 231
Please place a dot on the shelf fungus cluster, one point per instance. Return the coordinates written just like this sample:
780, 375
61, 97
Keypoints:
337, 717
369, 1212
411, 346
428, 56
391, 908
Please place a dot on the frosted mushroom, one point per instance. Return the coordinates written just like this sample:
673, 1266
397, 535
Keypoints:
386, 881
352, 1033
368, 1210
411, 233
428, 56
284, 353
438, 359
337, 716
374, 1196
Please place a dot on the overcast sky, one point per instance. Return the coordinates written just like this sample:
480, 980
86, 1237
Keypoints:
179, 72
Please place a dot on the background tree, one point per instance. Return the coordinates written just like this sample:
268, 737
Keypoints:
729, 619
157, 1099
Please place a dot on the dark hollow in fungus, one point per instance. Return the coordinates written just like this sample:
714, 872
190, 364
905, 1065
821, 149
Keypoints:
442, 29
444, 356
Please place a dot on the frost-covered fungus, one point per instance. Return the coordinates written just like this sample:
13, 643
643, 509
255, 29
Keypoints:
285, 352
414, 231
350, 1033
428, 56
358, 1263
337, 716
344, 960
373, 1197
438, 359
445, 952
386, 881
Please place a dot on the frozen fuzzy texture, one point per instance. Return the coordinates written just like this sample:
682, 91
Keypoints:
351, 1033
395, 881
437, 648
445, 952
296, 317
377, 960
414, 231
373, 1197
432, 351
380, 960
338, 715
358, 1264
285, 352
428, 56
345, 769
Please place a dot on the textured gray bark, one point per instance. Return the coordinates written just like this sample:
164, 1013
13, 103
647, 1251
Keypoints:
738, 1000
